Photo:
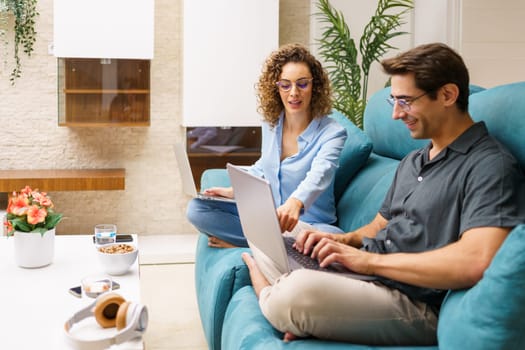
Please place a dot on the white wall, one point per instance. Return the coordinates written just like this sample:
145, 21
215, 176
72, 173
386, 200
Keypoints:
493, 40
488, 34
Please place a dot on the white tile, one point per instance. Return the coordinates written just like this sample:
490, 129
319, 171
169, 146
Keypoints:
168, 291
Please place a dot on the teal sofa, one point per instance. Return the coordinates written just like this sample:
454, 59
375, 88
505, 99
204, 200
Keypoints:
486, 316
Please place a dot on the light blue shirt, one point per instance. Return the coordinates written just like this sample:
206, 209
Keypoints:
308, 175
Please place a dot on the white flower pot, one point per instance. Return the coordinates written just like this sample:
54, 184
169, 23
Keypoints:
33, 249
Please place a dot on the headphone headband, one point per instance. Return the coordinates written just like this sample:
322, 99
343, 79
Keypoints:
135, 323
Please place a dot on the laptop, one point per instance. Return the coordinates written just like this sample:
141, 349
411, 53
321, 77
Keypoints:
188, 184
260, 225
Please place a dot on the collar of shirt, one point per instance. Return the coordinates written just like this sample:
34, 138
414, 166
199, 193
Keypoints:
463, 143
305, 137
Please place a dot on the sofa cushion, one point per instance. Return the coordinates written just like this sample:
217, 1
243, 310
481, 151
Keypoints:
503, 110
354, 155
364, 195
390, 137
490, 314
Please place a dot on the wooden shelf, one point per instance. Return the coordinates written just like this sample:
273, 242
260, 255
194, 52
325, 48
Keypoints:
102, 124
105, 91
63, 179
92, 92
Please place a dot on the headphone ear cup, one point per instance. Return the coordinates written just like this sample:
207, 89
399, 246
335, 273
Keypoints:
121, 319
107, 309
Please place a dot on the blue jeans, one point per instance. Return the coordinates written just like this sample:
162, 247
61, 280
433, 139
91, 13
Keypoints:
221, 219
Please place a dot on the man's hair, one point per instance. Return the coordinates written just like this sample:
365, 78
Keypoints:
270, 103
433, 65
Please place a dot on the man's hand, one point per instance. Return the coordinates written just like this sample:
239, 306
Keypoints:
328, 251
289, 213
219, 192
307, 239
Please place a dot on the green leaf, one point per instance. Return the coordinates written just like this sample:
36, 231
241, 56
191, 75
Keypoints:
52, 220
338, 50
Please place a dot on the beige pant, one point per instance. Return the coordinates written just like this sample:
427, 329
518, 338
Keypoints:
330, 306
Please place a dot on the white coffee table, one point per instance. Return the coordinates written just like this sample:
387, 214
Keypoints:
35, 303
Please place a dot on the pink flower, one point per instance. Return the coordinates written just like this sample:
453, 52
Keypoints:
42, 199
18, 205
26, 190
27, 211
36, 215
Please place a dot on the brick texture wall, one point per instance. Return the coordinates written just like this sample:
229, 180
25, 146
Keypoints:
153, 202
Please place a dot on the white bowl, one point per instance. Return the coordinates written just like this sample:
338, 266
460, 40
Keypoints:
113, 260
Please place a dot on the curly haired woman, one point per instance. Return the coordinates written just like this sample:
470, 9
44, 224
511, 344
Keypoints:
299, 156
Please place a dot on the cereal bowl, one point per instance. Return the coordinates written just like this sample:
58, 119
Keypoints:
116, 259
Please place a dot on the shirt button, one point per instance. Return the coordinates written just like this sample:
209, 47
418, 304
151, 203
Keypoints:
388, 242
420, 178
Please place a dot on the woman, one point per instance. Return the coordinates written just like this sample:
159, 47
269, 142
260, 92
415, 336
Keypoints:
299, 155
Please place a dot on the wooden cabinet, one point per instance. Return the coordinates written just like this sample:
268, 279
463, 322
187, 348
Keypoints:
104, 92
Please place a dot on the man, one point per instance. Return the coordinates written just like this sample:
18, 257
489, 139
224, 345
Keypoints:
447, 212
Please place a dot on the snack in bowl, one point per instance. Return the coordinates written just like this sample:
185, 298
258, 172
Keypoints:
116, 259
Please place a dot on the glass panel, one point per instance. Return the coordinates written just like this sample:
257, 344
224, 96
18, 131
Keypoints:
213, 147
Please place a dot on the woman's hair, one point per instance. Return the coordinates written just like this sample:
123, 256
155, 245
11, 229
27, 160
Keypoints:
270, 103
433, 66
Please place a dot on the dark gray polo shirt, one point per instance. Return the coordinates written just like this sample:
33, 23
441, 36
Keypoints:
474, 182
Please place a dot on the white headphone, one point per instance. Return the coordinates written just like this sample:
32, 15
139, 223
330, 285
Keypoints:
110, 310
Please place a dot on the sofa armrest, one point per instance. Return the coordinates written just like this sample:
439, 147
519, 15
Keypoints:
215, 177
490, 314
219, 273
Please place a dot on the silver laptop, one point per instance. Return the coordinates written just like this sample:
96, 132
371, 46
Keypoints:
260, 225
188, 184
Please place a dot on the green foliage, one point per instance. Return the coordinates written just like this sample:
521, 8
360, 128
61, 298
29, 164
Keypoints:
21, 224
24, 14
339, 51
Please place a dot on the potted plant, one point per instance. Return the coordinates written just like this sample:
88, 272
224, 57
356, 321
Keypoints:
24, 35
339, 51
31, 219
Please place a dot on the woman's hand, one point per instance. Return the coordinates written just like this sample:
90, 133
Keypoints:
219, 192
289, 213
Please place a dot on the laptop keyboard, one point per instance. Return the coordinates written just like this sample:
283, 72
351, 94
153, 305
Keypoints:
307, 262
304, 260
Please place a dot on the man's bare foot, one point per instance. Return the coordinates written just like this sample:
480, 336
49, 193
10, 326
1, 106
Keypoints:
258, 279
289, 337
219, 243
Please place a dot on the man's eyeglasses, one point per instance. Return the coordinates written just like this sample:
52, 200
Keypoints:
405, 102
286, 85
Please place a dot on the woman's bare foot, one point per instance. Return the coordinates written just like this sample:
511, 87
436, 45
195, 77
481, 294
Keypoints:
258, 279
219, 243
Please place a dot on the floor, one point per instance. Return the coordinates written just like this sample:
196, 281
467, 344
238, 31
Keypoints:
167, 289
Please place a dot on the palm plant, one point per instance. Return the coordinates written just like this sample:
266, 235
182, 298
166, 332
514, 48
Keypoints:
339, 51
24, 13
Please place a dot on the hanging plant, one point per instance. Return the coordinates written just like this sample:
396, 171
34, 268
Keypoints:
23, 14
339, 51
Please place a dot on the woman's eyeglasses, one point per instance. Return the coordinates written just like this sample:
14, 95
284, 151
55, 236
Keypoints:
286, 85
404, 102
